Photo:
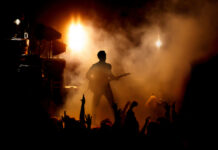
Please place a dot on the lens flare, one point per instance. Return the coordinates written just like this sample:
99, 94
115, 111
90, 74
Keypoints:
76, 37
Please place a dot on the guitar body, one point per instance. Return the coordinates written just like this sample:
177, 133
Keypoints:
96, 85
99, 76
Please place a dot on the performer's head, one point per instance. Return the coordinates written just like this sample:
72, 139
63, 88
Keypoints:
102, 55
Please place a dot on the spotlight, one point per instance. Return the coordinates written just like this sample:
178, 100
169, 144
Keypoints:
158, 43
17, 21
77, 37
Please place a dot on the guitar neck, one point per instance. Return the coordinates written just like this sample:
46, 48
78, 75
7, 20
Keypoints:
123, 75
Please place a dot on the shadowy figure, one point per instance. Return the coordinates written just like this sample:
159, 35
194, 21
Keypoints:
131, 125
120, 115
142, 133
85, 120
99, 76
82, 111
88, 121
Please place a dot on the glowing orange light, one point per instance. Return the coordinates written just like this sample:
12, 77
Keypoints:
158, 43
76, 37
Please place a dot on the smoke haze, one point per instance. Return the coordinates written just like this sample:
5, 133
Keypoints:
187, 29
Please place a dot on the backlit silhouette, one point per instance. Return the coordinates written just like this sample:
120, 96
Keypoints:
99, 76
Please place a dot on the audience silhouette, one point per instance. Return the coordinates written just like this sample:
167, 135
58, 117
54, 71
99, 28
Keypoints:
164, 132
177, 130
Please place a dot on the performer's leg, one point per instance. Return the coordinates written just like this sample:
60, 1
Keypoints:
95, 103
109, 95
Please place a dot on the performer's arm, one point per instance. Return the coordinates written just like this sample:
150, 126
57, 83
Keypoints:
111, 75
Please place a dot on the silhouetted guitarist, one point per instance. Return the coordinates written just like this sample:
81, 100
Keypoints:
99, 76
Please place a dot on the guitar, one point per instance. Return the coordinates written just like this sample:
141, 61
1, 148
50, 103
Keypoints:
123, 75
92, 83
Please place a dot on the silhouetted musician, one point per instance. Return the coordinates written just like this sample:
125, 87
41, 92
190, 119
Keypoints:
99, 76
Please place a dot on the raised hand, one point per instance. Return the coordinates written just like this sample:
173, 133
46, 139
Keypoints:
83, 99
88, 120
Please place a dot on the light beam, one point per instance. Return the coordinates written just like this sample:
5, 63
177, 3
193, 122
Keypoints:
76, 37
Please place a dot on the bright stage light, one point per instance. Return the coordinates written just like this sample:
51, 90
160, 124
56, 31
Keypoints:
17, 21
158, 43
76, 37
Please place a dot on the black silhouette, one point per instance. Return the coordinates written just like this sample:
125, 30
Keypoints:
82, 111
99, 76
131, 124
